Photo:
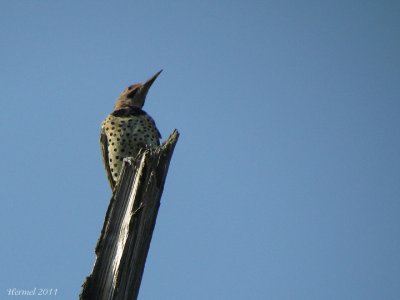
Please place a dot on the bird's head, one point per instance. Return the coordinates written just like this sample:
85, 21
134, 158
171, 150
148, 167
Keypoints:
134, 95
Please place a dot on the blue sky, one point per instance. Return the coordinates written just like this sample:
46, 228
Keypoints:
285, 181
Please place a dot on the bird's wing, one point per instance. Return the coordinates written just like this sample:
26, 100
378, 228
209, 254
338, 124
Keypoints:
106, 162
155, 128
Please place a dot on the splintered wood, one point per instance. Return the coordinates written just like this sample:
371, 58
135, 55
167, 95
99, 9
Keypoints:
128, 226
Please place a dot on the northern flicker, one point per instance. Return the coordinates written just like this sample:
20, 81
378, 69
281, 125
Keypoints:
127, 129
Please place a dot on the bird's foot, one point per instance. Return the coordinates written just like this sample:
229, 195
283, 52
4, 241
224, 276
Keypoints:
129, 160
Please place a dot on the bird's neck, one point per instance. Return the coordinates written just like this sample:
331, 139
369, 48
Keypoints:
128, 111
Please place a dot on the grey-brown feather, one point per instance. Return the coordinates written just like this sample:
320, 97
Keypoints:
104, 152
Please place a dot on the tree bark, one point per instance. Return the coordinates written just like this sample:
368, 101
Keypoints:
128, 226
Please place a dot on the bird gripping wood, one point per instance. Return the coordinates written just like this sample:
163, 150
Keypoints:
127, 129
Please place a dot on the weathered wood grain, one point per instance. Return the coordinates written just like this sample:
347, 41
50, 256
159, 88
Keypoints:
128, 226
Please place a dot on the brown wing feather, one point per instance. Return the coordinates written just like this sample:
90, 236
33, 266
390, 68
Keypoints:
155, 128
106, 162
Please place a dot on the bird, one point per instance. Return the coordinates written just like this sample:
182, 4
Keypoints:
128, 129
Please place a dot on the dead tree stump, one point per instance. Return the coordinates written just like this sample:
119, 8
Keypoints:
124, 242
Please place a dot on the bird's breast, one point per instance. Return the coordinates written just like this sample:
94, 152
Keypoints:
126, 136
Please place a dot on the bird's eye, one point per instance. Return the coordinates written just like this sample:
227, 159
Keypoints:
131, 94
129, 88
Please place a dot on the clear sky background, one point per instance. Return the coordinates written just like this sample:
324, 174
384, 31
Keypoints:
285, 183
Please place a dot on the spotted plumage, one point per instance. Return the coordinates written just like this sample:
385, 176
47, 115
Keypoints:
127, 130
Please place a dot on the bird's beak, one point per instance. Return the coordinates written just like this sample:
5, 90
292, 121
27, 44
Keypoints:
146, 86
141, 94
